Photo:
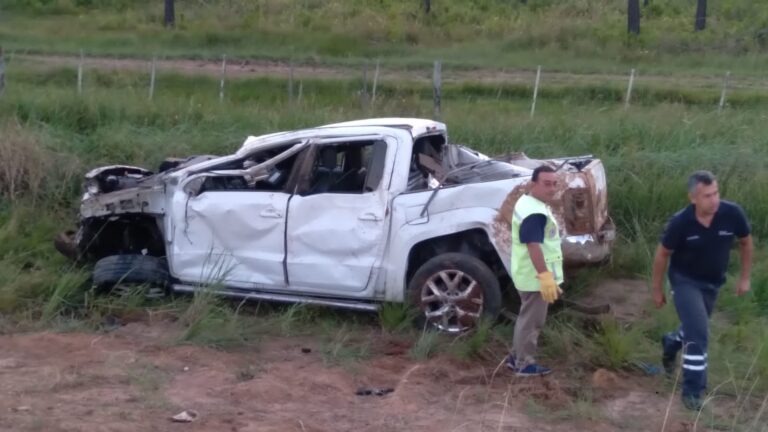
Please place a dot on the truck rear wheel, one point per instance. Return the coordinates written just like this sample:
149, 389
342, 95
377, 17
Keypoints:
454, 291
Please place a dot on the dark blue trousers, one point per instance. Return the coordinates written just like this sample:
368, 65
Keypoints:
694, 301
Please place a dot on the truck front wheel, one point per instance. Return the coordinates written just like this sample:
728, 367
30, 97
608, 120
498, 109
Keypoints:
121, 274
454, 291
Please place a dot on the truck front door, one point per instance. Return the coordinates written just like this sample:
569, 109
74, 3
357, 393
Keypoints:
338, 222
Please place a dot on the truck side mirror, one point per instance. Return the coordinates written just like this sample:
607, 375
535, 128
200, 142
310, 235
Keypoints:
193, 186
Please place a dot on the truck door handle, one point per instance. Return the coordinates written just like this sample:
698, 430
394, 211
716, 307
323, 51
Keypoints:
271, 212
369, 217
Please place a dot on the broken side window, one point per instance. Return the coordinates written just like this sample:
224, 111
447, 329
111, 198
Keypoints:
355, 167
426, 162
275, 180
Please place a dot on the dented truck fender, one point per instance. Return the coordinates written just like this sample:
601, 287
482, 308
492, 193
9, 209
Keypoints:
441, 224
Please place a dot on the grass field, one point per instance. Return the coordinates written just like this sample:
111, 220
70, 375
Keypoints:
574, 35
50, 135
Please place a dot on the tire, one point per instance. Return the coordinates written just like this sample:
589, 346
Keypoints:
121, 272
468, 291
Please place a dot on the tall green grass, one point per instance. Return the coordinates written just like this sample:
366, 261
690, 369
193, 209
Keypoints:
648, 151
574, 35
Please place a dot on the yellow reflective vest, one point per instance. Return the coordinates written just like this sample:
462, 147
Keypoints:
523, 271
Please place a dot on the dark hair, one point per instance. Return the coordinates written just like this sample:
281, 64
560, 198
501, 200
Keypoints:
541, 169
700, 177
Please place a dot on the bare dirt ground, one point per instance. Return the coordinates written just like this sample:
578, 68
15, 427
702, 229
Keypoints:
267, 68
627, 298
134, 379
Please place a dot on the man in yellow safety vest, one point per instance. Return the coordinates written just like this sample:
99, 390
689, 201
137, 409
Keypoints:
537, 268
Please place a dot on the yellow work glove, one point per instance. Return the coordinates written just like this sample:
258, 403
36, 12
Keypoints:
548, 287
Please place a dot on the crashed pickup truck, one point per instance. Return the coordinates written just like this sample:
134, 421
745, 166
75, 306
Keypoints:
349, 215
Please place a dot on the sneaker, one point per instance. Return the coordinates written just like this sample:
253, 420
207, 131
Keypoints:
511, 363
533, 370
692, 403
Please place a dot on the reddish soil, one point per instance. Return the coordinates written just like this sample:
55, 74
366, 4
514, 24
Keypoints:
135, 379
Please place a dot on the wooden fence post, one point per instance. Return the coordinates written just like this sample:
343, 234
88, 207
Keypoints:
436, 91
375, 84
290, 82
629, 89
223, 77
722, 93
2, 71
301, 92
80, 74
501, 84
536, 90
152, 78
364, 103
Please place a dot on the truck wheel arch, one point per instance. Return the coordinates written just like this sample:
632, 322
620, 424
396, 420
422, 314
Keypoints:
474, 242
129, 234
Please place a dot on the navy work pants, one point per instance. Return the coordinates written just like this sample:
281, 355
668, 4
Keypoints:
694, 301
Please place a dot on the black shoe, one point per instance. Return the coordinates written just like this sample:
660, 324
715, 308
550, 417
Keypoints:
692, 403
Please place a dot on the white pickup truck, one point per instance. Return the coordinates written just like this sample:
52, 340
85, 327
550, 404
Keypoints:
350, 215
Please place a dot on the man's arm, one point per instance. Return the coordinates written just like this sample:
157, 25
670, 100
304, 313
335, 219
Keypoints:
532, 234
745, 250
671, 239
537, 257
657, 280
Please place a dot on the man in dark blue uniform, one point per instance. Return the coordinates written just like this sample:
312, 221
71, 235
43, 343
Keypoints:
698, 239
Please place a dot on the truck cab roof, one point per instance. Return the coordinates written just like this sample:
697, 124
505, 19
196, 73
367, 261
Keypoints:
417, 127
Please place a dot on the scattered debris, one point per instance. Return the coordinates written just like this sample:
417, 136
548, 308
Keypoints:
441, 392
246, 374
648, 368
21, 409
111, 323
187, 416
363, 391
186, 368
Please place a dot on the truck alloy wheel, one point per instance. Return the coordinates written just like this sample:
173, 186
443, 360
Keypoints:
454, 291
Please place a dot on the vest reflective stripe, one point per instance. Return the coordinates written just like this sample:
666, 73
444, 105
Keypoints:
523, 271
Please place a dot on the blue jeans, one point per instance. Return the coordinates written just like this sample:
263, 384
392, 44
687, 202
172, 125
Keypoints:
694, 301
